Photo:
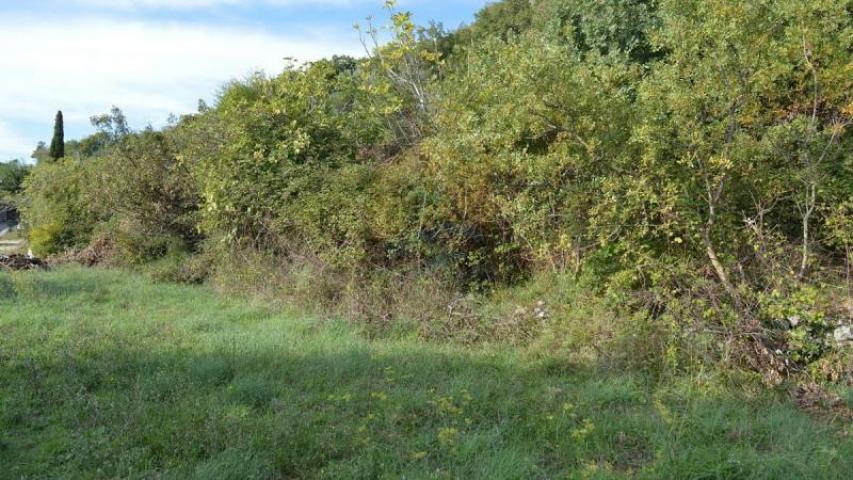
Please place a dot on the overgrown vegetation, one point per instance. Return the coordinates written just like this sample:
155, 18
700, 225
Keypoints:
12, 176
681, 170
104, 374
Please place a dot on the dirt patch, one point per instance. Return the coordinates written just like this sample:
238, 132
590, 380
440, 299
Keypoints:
818, 401
21, 262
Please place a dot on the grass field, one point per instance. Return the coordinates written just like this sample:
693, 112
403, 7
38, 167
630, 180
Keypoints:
106, 375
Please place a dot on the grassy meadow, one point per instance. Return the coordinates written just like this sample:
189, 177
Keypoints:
104, 374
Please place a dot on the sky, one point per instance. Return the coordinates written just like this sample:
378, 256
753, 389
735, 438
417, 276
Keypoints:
153, 58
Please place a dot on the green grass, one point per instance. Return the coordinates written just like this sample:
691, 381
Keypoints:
106, 375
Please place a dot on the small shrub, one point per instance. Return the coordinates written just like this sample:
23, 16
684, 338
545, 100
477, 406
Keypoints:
46, 239
58, 211
799, 317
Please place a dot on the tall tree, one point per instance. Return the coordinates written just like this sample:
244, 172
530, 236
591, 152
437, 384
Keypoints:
57, 145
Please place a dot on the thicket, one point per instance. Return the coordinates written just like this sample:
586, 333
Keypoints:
667, 184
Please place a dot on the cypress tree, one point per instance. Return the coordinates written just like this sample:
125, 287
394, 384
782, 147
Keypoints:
57, 145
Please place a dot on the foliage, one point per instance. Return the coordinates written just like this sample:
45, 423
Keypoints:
498, 20
111, 128
56, 212
741, 153
289, 142
12, 175
807, 323
57, 144
148, 192
401, 73
41, 154
686, 163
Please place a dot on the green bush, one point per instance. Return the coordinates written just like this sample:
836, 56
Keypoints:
801, 313
59, 210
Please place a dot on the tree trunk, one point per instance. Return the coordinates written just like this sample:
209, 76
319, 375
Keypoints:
719, 269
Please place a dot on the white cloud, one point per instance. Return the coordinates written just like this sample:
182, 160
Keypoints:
189, 4
12, 144
201, 4
148, 69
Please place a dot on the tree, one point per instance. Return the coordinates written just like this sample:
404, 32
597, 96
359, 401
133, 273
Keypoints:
57, 145
401, 73
12, 176
112, 126
41, 153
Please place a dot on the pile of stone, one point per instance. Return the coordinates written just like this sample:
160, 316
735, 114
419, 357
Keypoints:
21, 262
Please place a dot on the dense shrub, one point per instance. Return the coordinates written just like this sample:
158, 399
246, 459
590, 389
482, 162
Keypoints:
58, 210
683, 167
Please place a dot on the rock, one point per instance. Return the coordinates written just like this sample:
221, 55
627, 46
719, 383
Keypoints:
843, 335
794, 320
541, 311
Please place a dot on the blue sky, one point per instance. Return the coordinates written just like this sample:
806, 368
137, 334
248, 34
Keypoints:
156, 57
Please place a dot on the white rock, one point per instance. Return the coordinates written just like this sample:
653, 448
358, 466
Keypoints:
843, 335
794, 320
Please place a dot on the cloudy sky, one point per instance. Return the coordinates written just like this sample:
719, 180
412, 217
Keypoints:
156, 57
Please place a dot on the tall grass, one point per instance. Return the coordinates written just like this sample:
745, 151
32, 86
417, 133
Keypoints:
104, 374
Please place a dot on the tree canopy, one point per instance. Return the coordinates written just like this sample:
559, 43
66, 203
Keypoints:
57, 144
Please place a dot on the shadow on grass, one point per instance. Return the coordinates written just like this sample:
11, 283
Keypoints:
33, 287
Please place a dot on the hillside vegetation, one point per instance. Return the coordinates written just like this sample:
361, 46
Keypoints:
105, 374
664, 186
